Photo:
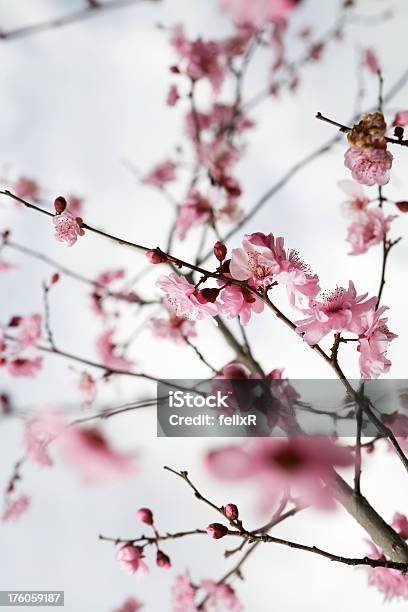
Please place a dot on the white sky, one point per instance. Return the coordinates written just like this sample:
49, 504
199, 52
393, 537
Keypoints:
77, 102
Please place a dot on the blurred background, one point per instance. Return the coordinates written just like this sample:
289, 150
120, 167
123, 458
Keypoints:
79, 105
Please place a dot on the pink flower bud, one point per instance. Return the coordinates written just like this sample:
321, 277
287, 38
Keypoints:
402, 206
60, 204
220, 250
231, 512
155, 256
162, 560
217, 531
55, 278
145, 516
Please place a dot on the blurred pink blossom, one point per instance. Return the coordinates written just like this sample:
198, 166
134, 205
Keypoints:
161, 174
107, 352
357, 200
130, 605
27, 189
369, 228
131, 560
400, 524
174, 328
392, 583
183, 595
37, 436
222, 595
87, 450
301, 463
371, 61
257, 12
16, 508
401, 119
24, 366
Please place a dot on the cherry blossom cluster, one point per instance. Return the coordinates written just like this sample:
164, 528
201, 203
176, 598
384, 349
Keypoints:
262, 264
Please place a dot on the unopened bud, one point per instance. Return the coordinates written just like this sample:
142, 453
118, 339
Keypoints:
55, 278
220, 250
15, 321
60, 204
145, 515
402, 206
155, 256
162, 560
231, 512
217, 530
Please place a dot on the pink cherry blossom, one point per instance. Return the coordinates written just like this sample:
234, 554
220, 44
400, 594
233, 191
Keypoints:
104, 279
373, 344
392, 583
257, 12
200, 59
67, 228
16, 508
161, 174
297, 277
183, 299
263, 261
5, 266
401, 119
130, 605
27, 189
183, 595
24, 366
238, 301
257, 259
107, 352
301, 463
369, 228
222, 595
339, 310
357, 200
131, 560
174, 328
87, 450
369, 166
37, 436
195, 209
29, 332
75, 205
